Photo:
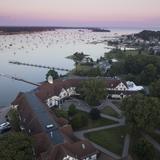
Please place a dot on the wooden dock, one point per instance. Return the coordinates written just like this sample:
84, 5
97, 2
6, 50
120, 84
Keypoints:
38, 66
18, 79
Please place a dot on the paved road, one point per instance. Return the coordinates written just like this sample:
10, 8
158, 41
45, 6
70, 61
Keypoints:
83, 106
125, 153
80, 134
108, 102
157, 131
152, 141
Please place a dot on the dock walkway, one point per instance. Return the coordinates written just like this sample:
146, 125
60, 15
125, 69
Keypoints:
38, 66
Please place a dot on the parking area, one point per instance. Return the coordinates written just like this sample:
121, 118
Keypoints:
3, 112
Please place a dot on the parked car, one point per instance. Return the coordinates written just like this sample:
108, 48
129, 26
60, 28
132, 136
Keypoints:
4, 127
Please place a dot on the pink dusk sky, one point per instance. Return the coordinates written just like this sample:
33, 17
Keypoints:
102, 13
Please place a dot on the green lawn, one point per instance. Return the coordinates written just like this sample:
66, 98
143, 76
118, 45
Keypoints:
111, 139
91, 123
96, 123
109, 111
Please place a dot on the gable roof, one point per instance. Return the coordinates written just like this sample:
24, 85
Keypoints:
44, 118
68, 133
113, 83
17, 99
80, 149
47, 90
61, 142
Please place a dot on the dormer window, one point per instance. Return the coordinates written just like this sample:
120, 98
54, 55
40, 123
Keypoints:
51, 133
83, 146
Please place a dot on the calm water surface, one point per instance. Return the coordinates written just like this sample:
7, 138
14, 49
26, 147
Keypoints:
46, 48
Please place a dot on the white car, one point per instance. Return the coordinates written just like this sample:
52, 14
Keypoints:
49, 126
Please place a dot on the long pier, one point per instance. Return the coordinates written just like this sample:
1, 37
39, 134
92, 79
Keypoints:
38, 66
18, 79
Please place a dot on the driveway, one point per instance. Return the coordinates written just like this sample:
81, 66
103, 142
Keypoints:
83, 106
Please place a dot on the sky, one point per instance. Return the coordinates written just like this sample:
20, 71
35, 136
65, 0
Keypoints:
99, 13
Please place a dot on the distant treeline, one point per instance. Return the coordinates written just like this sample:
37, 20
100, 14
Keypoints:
148, 35
99, 30
142, 69
15, 30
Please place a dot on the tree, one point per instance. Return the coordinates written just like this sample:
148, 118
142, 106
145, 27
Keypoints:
77, 57
79, 120
155, 89
144, 150
52, 73
61, 113
142, 113
13, 117
95, 114
92, 91
72, 110
148, 74
143, 68
16, 146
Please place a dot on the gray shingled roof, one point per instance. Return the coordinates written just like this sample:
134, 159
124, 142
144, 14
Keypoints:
44, 118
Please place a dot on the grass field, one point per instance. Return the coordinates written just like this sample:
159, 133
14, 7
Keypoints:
109, 111
91, 123
111, 139
96, 123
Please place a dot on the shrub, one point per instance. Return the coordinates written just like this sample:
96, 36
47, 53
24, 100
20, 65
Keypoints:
72, 110
95, 114
79, 120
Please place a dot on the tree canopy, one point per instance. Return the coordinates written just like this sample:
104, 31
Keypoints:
16, 146
143, 69
148, 35
79, 120
142, 113
92, 91
155, 89
144, 150
88, 71
14, 119
95, 114
52, 73
77, 57
72, 110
